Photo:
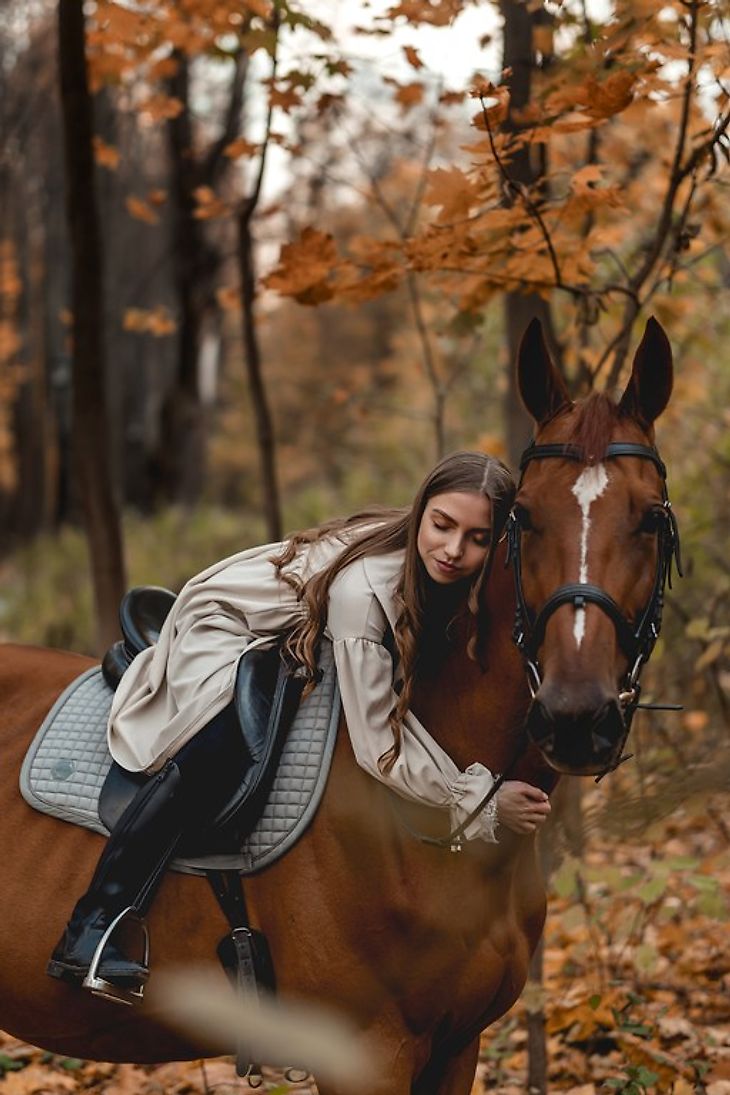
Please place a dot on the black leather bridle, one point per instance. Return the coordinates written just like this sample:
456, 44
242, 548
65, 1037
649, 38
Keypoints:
636, 638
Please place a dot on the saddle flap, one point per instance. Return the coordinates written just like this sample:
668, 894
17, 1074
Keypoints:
267, 698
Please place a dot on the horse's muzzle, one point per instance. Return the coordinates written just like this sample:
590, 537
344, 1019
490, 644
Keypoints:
583, 741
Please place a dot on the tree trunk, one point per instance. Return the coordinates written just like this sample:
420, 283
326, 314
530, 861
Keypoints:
252, 351
181, 460
89, 413
526, 167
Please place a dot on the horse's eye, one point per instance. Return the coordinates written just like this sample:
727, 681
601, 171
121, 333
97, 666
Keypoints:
522, 516
652, 520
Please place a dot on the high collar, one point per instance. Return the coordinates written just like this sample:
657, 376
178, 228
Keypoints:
383, 572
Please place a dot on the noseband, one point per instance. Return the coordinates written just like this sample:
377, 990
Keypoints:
637, 638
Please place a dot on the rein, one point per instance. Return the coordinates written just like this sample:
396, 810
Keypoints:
454, 840
636, 639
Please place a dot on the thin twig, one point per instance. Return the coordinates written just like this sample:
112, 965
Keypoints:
250, 202
521, 192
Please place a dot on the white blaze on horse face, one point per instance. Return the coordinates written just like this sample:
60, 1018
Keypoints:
589, 486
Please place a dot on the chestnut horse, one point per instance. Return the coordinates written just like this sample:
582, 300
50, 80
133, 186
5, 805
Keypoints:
422, 948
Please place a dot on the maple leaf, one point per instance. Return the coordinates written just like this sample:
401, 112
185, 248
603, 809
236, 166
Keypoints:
452, 98
305, 267
436, 13
451, 189
495, 105
408, 95
286, 98
240, 147
611, 95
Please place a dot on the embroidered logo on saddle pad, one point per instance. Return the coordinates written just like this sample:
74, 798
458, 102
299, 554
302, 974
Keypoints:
68, 761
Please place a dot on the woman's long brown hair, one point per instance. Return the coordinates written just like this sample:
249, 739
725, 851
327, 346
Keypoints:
380, 532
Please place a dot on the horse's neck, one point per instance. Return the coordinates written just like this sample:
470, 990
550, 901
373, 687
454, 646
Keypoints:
470, 710
475, 713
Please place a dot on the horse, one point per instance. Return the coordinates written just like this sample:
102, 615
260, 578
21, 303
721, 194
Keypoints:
371, 912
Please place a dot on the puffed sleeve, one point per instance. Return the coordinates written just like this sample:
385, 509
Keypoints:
423, 771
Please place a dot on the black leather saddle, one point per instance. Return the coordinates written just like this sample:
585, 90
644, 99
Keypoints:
267, 697
142, 613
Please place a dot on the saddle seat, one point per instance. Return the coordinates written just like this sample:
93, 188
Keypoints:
267, 695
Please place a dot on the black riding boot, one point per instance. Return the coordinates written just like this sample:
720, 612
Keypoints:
186, 794
139, 848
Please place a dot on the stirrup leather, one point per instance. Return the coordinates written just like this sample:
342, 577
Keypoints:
98, 985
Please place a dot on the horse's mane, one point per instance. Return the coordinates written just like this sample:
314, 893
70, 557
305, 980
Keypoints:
592, 423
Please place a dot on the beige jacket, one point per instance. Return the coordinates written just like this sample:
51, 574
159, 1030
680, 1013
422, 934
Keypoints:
175, 688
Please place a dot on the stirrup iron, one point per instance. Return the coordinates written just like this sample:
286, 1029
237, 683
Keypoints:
98, 985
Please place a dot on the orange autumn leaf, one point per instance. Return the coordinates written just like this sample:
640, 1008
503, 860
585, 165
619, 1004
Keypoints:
10, 341
210, 205
451, 189
106, 155
160, 108
262, 8
304, 268
141, 210
435, 13
11, 285
156, 321
494, 102
286, 98
412, 57
409, 95
229, 298
611, 95
240, 147
163, 69
584, 178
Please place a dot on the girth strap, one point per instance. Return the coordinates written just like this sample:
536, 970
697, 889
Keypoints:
244, 955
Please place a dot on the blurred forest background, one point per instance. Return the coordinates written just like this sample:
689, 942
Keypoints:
261, 262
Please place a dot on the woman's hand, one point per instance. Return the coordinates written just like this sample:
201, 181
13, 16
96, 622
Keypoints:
521, 807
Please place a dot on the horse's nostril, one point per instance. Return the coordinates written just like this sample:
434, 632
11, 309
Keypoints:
601, 744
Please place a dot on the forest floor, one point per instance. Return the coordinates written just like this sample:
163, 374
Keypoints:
636, 992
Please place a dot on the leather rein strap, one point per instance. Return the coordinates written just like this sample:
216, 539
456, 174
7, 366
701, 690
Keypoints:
636, 639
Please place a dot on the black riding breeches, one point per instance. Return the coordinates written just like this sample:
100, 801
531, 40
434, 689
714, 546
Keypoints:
211, 767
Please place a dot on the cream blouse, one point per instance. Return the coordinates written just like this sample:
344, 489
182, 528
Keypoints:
174, 688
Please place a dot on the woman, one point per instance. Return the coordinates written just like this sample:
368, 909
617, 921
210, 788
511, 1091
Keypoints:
410, 574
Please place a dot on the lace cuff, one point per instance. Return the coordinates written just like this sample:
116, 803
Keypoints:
470, 788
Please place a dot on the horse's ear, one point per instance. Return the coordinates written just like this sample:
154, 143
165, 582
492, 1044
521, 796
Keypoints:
541, 386
650, 385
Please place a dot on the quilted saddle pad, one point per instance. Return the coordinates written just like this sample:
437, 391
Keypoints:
68, 760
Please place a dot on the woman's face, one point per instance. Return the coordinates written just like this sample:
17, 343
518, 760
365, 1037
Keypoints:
453, 537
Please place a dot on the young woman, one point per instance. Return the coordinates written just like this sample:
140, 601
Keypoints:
400, 574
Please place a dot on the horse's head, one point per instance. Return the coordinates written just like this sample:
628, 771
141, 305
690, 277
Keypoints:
591, 537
